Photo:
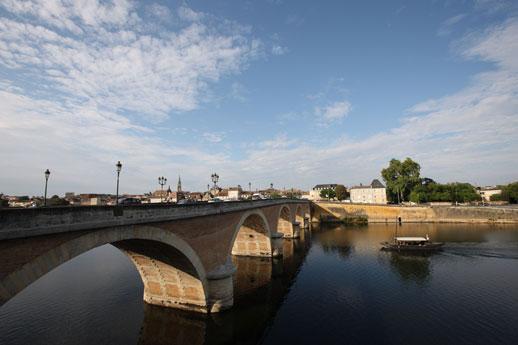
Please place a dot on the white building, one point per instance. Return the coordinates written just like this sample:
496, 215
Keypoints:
487, 192
375, 193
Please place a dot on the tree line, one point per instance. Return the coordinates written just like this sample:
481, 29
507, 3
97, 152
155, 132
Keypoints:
404, 183
509, 193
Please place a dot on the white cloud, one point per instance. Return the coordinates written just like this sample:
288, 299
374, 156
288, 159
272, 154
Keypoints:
335, 111
114, 61
279, 50
88, 78
447, 26
213, 137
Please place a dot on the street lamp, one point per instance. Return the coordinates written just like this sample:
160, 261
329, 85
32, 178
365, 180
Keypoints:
47, 174
250, 187
162, 181
215, 178
119, 167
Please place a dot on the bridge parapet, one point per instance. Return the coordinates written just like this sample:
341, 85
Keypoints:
19, 223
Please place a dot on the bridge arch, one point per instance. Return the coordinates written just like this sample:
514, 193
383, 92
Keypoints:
171, 271
252, 235
285, 222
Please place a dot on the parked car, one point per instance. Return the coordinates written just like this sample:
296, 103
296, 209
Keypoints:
129, 201
185, 202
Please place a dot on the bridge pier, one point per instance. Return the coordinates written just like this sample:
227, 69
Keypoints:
220, 288
277, 244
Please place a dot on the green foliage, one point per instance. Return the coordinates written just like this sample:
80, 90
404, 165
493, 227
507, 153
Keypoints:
430, 191
496, 197
327, 193
293, 195
4, 203
56, 201
401, 178
341, 192
509, 193
275, 195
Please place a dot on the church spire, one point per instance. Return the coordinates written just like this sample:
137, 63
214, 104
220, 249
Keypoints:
179, 187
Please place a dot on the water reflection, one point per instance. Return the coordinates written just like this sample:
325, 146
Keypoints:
411, 267
260, 285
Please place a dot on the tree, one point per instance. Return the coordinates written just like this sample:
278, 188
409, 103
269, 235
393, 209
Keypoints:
4, 202
327, 193
275, 195
341, 192
56, 201
401, 177
510, 193
462, 192
496, 197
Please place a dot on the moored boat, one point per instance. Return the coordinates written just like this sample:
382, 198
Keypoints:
417, 244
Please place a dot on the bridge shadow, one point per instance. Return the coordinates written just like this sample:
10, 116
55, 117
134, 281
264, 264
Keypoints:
260, 286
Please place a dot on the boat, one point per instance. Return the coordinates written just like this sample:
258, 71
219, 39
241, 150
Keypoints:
412, 244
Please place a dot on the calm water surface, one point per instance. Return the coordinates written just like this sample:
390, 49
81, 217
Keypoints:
333, 286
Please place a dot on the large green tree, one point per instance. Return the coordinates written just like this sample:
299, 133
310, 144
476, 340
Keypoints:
430, 191
509, 193
401, 178
56, 201
327, 193
341, 192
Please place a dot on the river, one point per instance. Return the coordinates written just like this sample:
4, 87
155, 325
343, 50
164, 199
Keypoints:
333, 286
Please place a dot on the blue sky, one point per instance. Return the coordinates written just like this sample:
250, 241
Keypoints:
293, 93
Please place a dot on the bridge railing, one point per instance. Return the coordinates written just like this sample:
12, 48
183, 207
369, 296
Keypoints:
18, 223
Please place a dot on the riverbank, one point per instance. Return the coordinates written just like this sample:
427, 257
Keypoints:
329, 211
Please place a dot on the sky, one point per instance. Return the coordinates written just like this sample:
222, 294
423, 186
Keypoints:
294, 93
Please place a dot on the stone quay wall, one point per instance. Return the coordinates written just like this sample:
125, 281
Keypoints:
336, 211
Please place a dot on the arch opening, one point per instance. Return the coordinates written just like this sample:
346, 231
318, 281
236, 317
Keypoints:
169, 278
171, 271
284, 224
252, 237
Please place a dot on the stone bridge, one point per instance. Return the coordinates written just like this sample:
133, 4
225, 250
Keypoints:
182, 252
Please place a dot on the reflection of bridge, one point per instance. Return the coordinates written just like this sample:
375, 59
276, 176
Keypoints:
183, 253
261, 285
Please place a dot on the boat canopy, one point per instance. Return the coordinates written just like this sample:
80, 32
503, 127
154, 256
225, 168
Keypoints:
411, 239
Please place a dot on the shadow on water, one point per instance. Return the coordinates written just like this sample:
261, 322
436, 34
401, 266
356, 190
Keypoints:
410, 267
260, 286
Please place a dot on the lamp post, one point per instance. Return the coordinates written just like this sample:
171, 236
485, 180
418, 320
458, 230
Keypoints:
47, 174
250, 187
215, 178
119, 167
162, 181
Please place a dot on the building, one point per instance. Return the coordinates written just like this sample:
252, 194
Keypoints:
375, 193
314, 194
487, 192
91, 199
234, 193
195, 196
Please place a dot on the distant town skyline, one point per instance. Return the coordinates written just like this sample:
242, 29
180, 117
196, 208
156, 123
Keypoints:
293, 93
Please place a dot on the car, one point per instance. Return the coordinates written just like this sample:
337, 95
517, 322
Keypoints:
185, 202
129, 201
215, 200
